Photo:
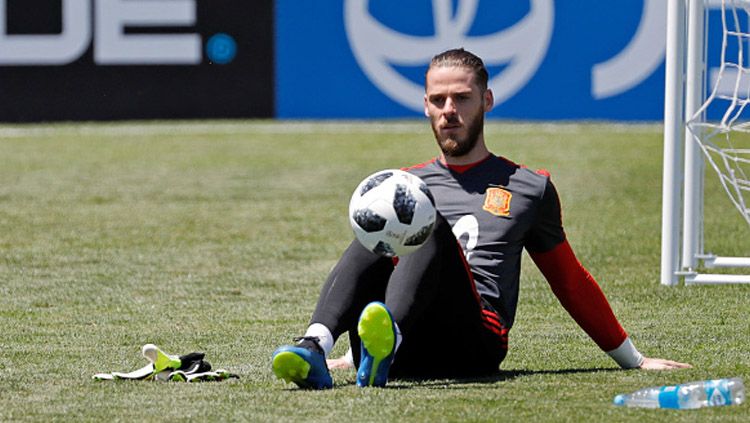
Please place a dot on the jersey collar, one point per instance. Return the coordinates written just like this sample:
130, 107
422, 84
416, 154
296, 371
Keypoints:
463, 168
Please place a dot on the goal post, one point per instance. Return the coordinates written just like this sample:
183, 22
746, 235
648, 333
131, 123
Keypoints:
673, 131
693, 139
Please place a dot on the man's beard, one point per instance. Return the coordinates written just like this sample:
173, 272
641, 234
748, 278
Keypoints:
456, 147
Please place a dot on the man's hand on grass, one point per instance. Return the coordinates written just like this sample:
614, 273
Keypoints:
662, 364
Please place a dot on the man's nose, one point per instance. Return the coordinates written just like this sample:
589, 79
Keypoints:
449, 107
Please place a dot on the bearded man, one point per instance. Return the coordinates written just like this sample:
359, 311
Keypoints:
446, 309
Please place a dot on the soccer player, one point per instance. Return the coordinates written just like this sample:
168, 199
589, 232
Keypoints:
446, 309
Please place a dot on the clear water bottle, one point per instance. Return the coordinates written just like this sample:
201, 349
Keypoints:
690, 395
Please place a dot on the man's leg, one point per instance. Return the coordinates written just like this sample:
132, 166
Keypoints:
359, 278
447, 329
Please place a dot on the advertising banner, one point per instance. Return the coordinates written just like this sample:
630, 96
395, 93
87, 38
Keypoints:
583, 59
354, 59
135, 59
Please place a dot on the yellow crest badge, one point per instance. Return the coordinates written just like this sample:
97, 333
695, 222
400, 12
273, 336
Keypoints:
497, 201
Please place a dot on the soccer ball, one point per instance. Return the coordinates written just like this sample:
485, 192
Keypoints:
392, 212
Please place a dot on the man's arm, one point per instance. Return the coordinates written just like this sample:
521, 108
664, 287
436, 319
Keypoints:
581, 296
584, 300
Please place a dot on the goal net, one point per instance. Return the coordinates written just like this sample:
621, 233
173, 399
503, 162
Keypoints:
725, 141
708, 119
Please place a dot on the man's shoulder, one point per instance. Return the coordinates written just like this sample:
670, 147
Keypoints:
538, 176
521, 169
520, 174
497, 169
423, 168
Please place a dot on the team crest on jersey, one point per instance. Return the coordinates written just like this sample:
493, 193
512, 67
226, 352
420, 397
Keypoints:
497, 201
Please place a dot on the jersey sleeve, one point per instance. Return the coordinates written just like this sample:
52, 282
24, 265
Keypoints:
580, 295
572, 284
547, 230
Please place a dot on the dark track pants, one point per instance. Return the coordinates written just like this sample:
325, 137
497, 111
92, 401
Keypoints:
447, 329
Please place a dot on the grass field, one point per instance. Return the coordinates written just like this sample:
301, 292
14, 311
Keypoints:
216, 237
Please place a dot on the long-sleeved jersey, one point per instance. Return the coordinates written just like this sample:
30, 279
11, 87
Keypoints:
497, 208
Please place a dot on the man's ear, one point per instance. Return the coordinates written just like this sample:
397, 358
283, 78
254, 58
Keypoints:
426, 112
489, 100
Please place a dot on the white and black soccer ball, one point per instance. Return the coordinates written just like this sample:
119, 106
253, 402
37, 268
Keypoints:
392, 212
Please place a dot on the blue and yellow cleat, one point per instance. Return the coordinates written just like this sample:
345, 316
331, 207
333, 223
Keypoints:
378, 335
303, 364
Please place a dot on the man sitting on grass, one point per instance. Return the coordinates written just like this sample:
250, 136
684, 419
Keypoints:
446, 309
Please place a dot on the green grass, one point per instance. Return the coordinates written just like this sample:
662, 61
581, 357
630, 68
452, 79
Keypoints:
216, 236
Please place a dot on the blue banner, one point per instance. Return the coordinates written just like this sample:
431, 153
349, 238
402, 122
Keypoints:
583, 59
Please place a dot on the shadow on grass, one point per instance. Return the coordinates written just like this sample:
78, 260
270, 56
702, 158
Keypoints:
500, 376
462, 382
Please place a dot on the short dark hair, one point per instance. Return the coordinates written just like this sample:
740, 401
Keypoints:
462, 59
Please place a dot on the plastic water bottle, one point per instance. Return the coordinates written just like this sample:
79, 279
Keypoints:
690, 395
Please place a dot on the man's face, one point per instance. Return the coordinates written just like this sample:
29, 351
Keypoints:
455, 105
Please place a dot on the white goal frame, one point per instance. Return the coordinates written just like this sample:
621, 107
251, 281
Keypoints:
682, 189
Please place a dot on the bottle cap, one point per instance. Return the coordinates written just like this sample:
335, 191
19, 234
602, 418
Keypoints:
620, 400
